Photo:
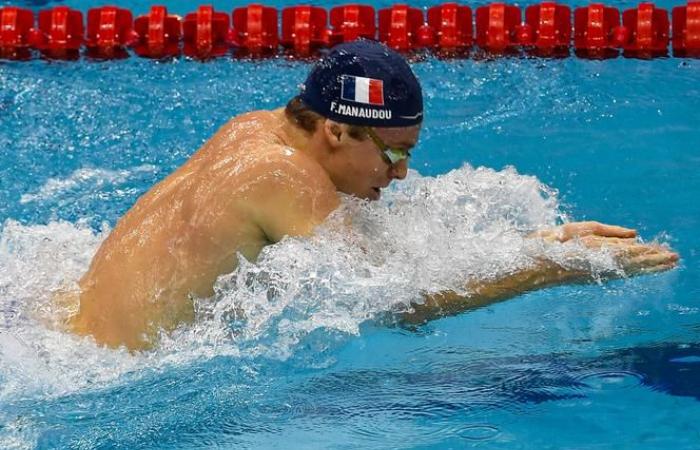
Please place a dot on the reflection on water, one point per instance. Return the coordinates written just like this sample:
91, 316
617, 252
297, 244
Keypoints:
225, 400
670, 368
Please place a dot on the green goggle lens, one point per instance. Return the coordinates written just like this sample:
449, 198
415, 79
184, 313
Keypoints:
391, 155
395, 155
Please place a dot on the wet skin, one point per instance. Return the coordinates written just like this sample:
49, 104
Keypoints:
256, 180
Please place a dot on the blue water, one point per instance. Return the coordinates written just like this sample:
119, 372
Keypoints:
598, 366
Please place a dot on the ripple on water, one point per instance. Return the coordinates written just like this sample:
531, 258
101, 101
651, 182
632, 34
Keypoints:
375, 429
478, 432
451, 428
609, 380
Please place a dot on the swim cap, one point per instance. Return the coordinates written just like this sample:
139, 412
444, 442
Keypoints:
364, 83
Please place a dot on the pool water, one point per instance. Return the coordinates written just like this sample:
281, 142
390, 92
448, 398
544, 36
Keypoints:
508, 145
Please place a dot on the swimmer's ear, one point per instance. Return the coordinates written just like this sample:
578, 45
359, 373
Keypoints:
333, 131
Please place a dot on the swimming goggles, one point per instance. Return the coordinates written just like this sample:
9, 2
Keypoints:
390, 155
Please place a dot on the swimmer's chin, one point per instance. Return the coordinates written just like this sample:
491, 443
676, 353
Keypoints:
372, 195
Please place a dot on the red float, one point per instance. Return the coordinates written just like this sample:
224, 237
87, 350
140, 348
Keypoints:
256, 30
60, 33
551, 27
205, 33
686, 30
453, 27
597, 32
398, 27
648, 31
304, 29
496, 27
425, 36
351, 22
15, 27
524, 34
158, 34
109, 32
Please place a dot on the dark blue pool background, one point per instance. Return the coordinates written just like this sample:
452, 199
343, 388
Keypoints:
615, 366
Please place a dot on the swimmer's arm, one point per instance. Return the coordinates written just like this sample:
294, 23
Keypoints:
633, 258
483, 293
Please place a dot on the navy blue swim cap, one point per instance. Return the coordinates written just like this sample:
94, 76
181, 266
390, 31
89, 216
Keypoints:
364, 83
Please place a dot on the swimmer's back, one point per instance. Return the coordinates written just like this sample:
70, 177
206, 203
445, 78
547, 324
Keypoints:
241, 191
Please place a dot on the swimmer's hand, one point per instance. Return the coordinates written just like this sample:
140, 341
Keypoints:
632, 256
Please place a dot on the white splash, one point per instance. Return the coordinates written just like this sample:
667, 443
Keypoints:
92, 178
35, 262
425, 235
18, 433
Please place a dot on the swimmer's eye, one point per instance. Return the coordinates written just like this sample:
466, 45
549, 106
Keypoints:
395, 155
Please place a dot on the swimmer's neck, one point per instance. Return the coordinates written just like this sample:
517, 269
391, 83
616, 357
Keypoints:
312, 144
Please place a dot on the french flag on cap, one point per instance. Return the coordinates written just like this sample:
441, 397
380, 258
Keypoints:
362, 90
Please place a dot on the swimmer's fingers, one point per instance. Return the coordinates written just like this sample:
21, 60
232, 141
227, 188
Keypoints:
632, 256
629, 248
646, 259
580, 229
652, 258
655, 269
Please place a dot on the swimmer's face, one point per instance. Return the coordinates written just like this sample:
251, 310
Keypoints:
358, 167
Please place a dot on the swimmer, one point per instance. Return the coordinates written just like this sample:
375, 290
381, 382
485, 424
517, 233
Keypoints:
269, 174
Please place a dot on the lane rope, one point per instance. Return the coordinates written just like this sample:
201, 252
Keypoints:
547, 29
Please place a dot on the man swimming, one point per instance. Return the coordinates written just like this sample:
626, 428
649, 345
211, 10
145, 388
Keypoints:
269, 174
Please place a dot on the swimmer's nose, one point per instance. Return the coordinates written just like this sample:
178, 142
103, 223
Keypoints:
399, 170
